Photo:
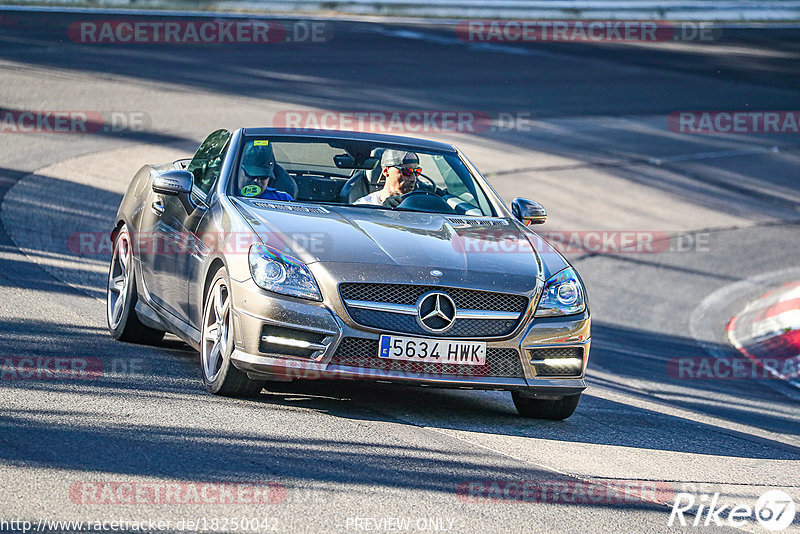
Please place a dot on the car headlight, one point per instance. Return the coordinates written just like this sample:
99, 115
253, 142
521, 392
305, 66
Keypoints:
281, 273
563, 295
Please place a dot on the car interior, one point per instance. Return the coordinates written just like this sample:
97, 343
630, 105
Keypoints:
321, 180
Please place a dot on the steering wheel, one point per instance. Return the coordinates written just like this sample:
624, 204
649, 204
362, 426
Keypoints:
429, 179
419, 193
425, 201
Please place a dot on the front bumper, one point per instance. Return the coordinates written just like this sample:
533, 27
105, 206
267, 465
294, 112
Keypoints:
265, 323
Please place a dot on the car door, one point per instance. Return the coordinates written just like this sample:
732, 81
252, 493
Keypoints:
169, 223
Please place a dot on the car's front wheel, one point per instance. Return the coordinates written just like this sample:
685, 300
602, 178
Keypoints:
220, 377
555, 409
121, 296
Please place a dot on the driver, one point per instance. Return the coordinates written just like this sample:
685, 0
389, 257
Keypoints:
400, 170
258, 166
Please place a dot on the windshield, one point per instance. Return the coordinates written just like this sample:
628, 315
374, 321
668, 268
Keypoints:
357, 173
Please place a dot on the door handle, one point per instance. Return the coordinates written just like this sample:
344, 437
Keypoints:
157, 206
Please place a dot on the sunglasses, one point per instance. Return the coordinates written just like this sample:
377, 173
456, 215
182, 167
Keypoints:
409, 172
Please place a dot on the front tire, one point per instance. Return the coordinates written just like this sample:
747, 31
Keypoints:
553, 409
121, 296
219, 375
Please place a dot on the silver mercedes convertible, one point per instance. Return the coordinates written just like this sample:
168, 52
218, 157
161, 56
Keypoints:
305, 255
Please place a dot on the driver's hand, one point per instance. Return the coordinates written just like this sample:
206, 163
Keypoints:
393, 201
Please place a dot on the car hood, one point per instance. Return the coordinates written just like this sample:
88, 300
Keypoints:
345, 234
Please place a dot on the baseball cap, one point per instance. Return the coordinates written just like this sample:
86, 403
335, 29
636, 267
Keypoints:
398, 158
258, 160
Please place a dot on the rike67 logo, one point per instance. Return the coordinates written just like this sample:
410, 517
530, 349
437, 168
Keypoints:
775, 510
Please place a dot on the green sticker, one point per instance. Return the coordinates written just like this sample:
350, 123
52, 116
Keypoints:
261, 143
251, 190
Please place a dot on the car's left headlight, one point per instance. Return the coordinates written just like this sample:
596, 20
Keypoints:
275, 271
563, 294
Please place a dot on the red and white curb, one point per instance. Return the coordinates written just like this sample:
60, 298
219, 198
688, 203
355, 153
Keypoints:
768, 332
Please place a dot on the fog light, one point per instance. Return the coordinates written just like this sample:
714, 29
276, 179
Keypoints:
576, 362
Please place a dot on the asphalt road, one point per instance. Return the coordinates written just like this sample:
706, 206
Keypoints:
594, 148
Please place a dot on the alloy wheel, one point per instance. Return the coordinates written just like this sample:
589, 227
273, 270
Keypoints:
216, 329
118, 280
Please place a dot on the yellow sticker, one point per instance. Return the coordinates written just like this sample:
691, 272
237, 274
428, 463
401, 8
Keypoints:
260, 143
251, 191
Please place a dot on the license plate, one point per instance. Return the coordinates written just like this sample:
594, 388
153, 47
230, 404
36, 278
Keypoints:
415, 349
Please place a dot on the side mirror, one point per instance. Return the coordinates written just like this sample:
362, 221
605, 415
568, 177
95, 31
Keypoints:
528, 211
173, 183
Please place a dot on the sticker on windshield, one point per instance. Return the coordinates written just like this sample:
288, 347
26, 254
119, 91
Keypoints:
251, 190
261, 143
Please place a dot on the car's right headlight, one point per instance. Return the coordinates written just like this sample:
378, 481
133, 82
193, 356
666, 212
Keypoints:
563, 294
275, 271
